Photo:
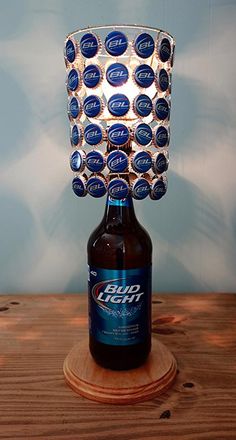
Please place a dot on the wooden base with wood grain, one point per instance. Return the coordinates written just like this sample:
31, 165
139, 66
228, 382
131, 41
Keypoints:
121, 387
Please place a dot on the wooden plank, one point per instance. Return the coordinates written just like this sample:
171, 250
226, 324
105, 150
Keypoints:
35, 402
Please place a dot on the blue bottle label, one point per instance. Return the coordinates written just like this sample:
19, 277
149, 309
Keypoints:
120, 305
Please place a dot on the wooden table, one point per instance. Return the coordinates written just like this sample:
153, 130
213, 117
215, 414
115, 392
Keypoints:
37, 331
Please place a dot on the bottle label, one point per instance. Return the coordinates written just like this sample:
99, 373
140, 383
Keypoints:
120, 305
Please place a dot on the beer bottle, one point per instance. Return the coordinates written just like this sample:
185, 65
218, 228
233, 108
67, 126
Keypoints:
119, 259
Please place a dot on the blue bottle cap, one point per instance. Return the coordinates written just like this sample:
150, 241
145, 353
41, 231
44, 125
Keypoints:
117, 74
161, 137
79, 186
96, 186
92, 106
118, 188
118, 134
162, 79
142, 105
89, 45
95, 161
74, 107
143, 134
118, 104
76, 135
141, 161
93, 134
173, 56
70, 50
77, 161
160, 163
158, 189
92, 76
144, 45
117, 161
116, 43
162, 109
164, 50
144, 75
140, 188
73, 80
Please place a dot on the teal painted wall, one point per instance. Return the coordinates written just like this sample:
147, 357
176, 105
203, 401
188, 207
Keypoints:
43, 227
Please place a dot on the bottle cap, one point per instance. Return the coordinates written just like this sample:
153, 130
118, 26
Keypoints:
158, 189
143, 75
89, 45
71, 50
77, 161
95, 161
161, 109
118, 104
76, 135
162, 80
161, 137
118, 188
140, 188
96, 186
144, 45
79, 186
74, 108
160, 163
92, 76
141, 161
143, 134
117, 74
117, 161
116, 43
164, 49
73, 80
142, 105
93, 134
118, 134
92, 106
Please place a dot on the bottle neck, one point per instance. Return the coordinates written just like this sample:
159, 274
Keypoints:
120, 212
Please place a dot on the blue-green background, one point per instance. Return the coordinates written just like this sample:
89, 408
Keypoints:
43, 227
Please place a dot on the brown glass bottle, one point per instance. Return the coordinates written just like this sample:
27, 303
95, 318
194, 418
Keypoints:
120, 246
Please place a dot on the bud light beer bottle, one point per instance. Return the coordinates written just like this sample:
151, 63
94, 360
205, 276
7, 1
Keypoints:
119, 259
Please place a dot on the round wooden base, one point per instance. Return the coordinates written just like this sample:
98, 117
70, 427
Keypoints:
120, 387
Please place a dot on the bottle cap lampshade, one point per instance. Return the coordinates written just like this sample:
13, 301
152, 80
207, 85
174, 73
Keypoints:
119, 80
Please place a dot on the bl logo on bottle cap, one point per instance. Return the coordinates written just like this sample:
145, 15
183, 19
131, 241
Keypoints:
74, 107
162, 109
118, 104
144, 45
117, 161
96, 186
93, 134
142, 105
162, 80
70, 51
143, 134
116, 43
164, 50
92, 76
140, 188
79, 186
144, 75
161, 137
77, 161
158, 189
118, 188
92, 106
73, 80
89, 45
118, 134
117, 74
141, 161
76, 135
160, 164
95, 161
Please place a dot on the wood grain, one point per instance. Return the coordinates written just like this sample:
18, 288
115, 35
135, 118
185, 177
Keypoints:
37, 332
